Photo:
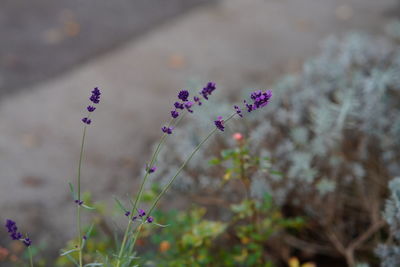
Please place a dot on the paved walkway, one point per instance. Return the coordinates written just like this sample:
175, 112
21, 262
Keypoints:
237, 43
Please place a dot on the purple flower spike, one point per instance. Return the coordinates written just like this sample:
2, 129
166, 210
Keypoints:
167, 130
196, 99
27, 242
127, 213
134, 218
149, 219
178, 105
183, 95
14, 234
86, 120
84, 237
79, 202
95, 97
210, 87
151, 170
174, 114
238, 111
11, 226
260, 99
188, 105
91, 108
141, 213
219, 123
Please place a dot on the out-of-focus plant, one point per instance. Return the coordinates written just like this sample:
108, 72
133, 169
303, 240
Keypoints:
248, 235
137, 217
247, 238
389, 253
294, 262
333, 132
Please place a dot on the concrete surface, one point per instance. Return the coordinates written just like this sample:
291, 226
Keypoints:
42, 38
237, 43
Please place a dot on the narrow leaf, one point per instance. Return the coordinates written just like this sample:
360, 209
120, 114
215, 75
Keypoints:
120, 205
68, 252
161, 225
71, 188
87, 207
72, 260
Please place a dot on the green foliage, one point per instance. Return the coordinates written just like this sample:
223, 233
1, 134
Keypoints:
193, 240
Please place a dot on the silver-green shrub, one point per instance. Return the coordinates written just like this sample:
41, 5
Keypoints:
333, 130
349, 94
390, 253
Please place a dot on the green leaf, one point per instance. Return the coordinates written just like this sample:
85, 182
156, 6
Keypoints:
214, 161
88, 207
120, 205
88, 233
227, 153
72, 260
68, 252
71, 188
93, 264
276, 173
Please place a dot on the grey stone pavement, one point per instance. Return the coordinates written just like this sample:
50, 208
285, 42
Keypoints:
236, 43
42, 38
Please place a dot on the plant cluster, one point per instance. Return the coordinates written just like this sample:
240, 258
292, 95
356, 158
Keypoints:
137, 217
333, 133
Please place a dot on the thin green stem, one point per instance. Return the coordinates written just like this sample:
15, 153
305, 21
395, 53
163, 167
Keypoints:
30, 256
176, 175
184, 165
139, 195
138, 229
79, 199
180, 170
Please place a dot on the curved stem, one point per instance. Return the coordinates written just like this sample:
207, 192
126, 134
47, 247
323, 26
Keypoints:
30, 256
176, 175
184, 165
79, 198
138, 197
180, 170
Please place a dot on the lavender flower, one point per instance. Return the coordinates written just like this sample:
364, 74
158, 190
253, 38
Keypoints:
174, 114
134, 218
238, 111
27, 241
208, 90
91, 108
87, 120
151, 170
179, 105
141, 213
260, 99
183, 95
196, 99
95, 97
84, 237
11, 226
79, 202
219, 123
127, 213
14, 234
188, 105
167, 130
149, 219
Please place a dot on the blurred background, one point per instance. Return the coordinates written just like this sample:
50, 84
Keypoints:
140, 53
